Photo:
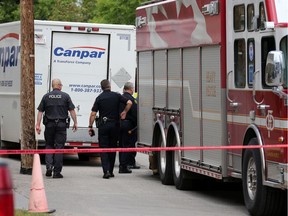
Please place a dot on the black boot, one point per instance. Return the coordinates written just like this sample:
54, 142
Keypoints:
48, 172
106, 175
124, 169
133, 166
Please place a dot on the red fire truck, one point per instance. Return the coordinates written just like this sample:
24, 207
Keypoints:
214, 73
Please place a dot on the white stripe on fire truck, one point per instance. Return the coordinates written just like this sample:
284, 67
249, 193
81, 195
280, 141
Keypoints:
237, 119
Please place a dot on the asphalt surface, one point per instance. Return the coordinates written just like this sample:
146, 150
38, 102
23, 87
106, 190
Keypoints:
83, 192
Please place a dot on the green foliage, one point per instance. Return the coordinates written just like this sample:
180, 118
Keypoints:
61, 10
100, 11
88, 10
116, 11
9, 11
66, 10
43, 9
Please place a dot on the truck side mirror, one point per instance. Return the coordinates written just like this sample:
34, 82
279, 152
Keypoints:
274, 68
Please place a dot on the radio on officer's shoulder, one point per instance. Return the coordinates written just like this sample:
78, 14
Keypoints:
68, 122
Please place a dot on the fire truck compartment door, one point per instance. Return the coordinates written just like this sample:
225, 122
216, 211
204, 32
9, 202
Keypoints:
213, 105
204, 117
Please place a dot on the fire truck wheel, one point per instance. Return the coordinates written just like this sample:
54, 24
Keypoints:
259, 199
253, 189
165, 165
83, 157
179, 177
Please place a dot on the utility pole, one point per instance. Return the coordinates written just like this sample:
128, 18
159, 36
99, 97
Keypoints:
27, 90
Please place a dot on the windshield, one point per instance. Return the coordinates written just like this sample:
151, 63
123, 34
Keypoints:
284, 49
281, 11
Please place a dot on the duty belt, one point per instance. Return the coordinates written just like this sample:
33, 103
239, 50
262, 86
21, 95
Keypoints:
56, 120
105, 119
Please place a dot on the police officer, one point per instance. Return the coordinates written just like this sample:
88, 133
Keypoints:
108, 105
128, 132
55, 106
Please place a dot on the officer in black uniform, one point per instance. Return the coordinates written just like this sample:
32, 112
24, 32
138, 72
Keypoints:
55, 105
128, 132
108, 105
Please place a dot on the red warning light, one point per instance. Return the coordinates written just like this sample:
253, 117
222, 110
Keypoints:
67, 27
95, 29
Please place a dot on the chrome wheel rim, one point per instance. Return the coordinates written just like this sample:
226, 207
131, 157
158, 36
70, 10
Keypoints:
251, 179
163, 158
177, 162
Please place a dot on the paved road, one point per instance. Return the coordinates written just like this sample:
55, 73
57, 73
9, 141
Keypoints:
83, 192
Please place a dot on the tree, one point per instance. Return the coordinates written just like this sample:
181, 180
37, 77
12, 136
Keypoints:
66, 10
60, 10
100, 11
43, 9
9, 11
116, 11
88, 10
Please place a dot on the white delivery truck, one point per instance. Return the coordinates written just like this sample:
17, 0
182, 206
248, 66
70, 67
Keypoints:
80, 54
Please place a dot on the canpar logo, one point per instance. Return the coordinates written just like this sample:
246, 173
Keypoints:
80, 52
9, 55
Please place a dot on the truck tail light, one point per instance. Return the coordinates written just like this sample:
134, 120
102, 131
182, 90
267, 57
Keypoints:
6, 192
67, 27
81, 28
95, 29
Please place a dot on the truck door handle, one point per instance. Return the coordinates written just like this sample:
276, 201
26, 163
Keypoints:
263, 106
254, 88
227, 88
232, 103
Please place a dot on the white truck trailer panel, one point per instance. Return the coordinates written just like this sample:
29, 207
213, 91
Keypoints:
81, 55
10, 82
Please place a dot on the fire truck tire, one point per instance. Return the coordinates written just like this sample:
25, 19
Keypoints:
165, 165
180, 180
83, 157
259, 199
179, 177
